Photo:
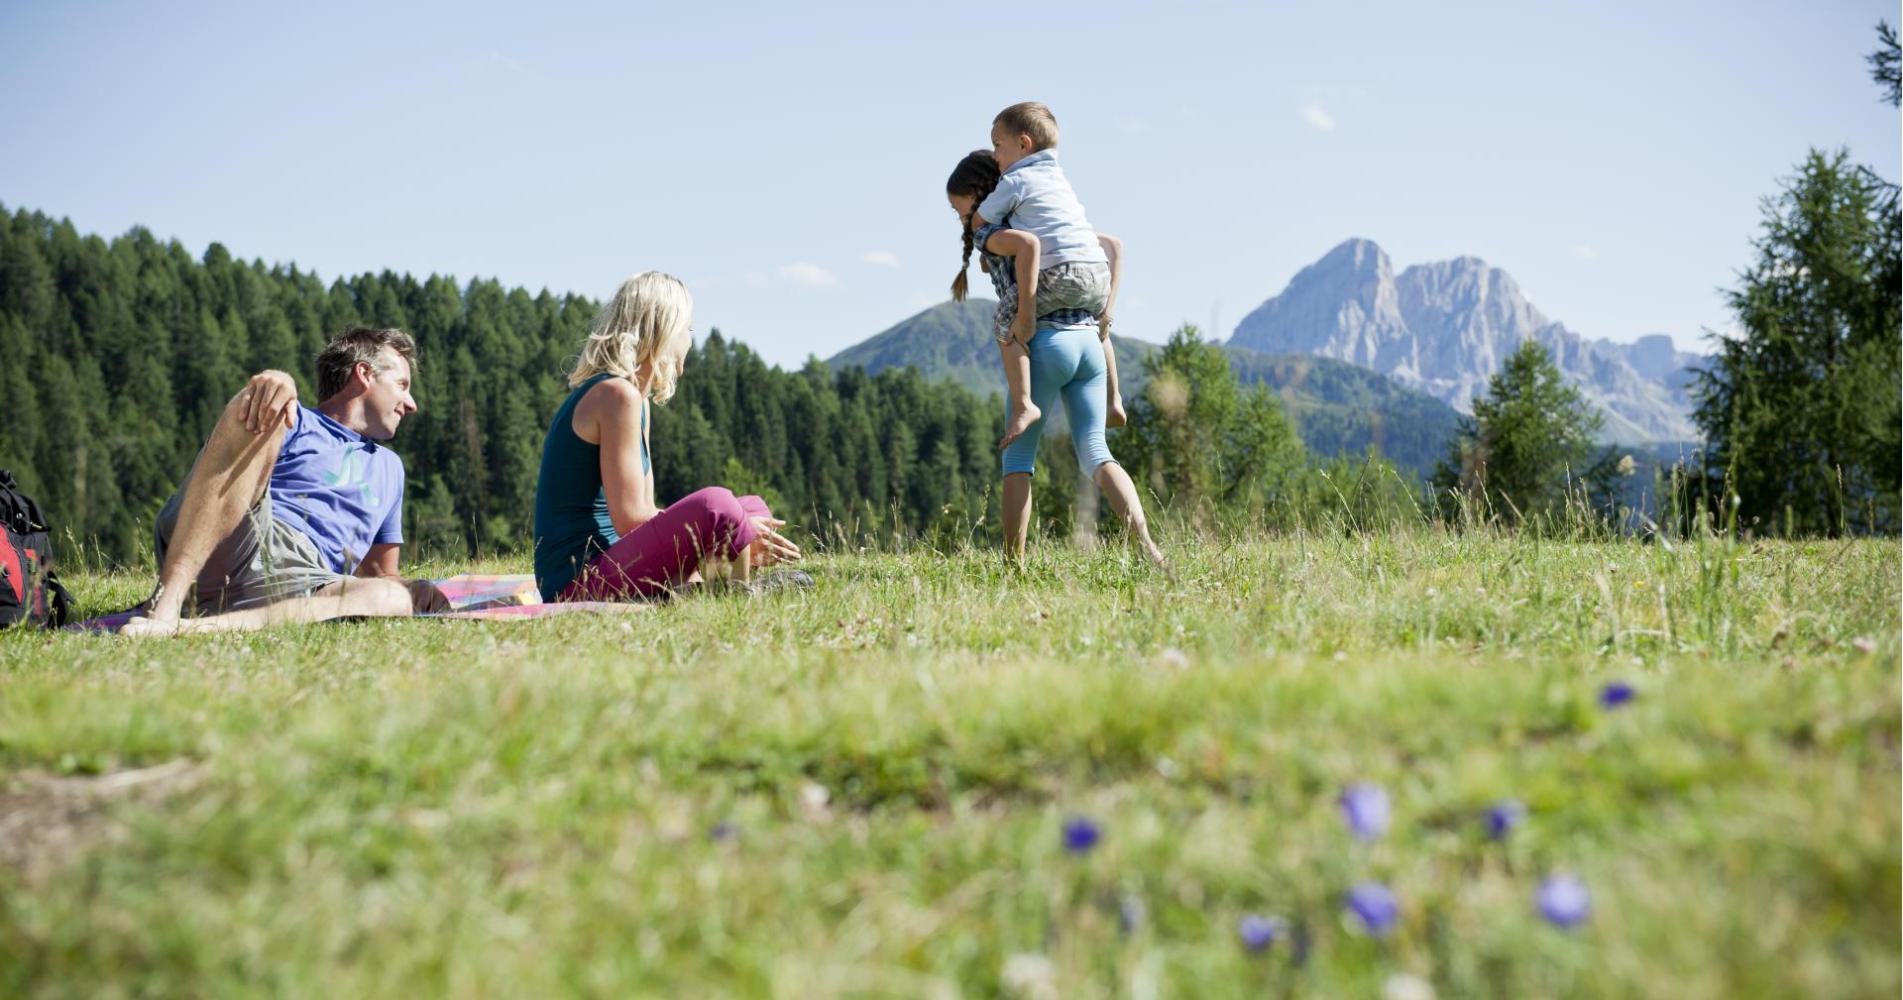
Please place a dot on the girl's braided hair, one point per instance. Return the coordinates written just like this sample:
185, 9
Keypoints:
974, 177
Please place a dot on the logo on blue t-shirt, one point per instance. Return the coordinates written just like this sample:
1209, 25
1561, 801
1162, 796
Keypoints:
353, 469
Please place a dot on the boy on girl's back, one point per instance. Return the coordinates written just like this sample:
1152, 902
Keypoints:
1074, 280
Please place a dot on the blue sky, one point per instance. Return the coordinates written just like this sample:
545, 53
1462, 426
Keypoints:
788, 161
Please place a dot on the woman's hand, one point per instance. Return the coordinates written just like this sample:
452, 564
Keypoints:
769, 546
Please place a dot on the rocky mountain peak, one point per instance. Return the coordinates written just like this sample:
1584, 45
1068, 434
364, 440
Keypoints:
1445, 327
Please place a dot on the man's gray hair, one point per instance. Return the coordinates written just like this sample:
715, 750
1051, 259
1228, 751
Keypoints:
359, 344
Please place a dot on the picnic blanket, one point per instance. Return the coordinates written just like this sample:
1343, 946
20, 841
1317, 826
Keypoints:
471, 596
485, 591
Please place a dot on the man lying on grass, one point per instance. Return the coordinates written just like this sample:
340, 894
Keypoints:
292, 514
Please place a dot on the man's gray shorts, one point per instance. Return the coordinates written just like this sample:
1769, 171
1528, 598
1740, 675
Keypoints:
262, 562
1072, 288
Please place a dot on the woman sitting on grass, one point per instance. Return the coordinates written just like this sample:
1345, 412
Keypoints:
599, 535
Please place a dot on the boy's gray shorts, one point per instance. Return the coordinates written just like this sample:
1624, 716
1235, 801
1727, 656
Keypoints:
1062, 288
262, 562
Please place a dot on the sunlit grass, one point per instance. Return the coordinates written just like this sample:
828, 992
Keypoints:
525, 808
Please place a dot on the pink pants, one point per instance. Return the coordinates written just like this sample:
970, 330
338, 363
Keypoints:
661, 554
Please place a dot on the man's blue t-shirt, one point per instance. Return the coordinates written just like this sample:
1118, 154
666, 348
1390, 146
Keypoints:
338, 487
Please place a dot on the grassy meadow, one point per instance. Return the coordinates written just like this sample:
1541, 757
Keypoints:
865, 789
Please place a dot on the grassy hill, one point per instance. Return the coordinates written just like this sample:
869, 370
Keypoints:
863, 789
952, 341
1336, 406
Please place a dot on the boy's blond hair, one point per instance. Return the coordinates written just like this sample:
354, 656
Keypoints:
649, 313
1033, 119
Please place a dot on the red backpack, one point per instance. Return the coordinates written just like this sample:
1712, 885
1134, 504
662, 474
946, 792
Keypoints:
29, 591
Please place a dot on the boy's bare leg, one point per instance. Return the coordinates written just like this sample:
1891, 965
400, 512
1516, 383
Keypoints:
352, 596
1113, 414
227, 480
1017, 380
1017, 515
1122, 493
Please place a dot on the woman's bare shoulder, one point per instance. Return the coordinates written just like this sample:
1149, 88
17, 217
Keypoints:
609, 401
613, 392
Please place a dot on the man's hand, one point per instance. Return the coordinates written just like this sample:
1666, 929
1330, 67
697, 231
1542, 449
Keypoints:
266, 399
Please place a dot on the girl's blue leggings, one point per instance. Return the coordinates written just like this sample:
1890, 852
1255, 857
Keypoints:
1067, 360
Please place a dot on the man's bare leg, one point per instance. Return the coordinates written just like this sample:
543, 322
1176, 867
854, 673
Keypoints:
349, 597
227, 480
1122, 493
1016, 510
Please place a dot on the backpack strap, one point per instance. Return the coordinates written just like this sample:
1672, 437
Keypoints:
18, 510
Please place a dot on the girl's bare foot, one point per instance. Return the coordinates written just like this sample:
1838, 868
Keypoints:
1023, 415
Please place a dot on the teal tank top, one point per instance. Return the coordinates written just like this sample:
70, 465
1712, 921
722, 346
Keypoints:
572, 525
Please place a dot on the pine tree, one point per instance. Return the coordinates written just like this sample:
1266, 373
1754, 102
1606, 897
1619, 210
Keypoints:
1529, 442
1885, 62
1801, 407
1199, 443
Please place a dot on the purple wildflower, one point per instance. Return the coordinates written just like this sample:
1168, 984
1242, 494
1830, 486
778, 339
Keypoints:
1259, 932
1080, 835
723, 831
1374, 904
1365, 807
1504, 816
1616, 693
1564, 900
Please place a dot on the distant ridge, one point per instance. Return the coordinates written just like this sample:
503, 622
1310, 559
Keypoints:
1336, 407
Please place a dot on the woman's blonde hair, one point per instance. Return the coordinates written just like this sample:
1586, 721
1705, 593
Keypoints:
649, 312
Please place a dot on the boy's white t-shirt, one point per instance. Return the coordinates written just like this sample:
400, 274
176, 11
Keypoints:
1034, 196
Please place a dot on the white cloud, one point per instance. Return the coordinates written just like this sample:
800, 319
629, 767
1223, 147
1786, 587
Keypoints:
1584, 251
1318, 117
880, 258
803, 273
